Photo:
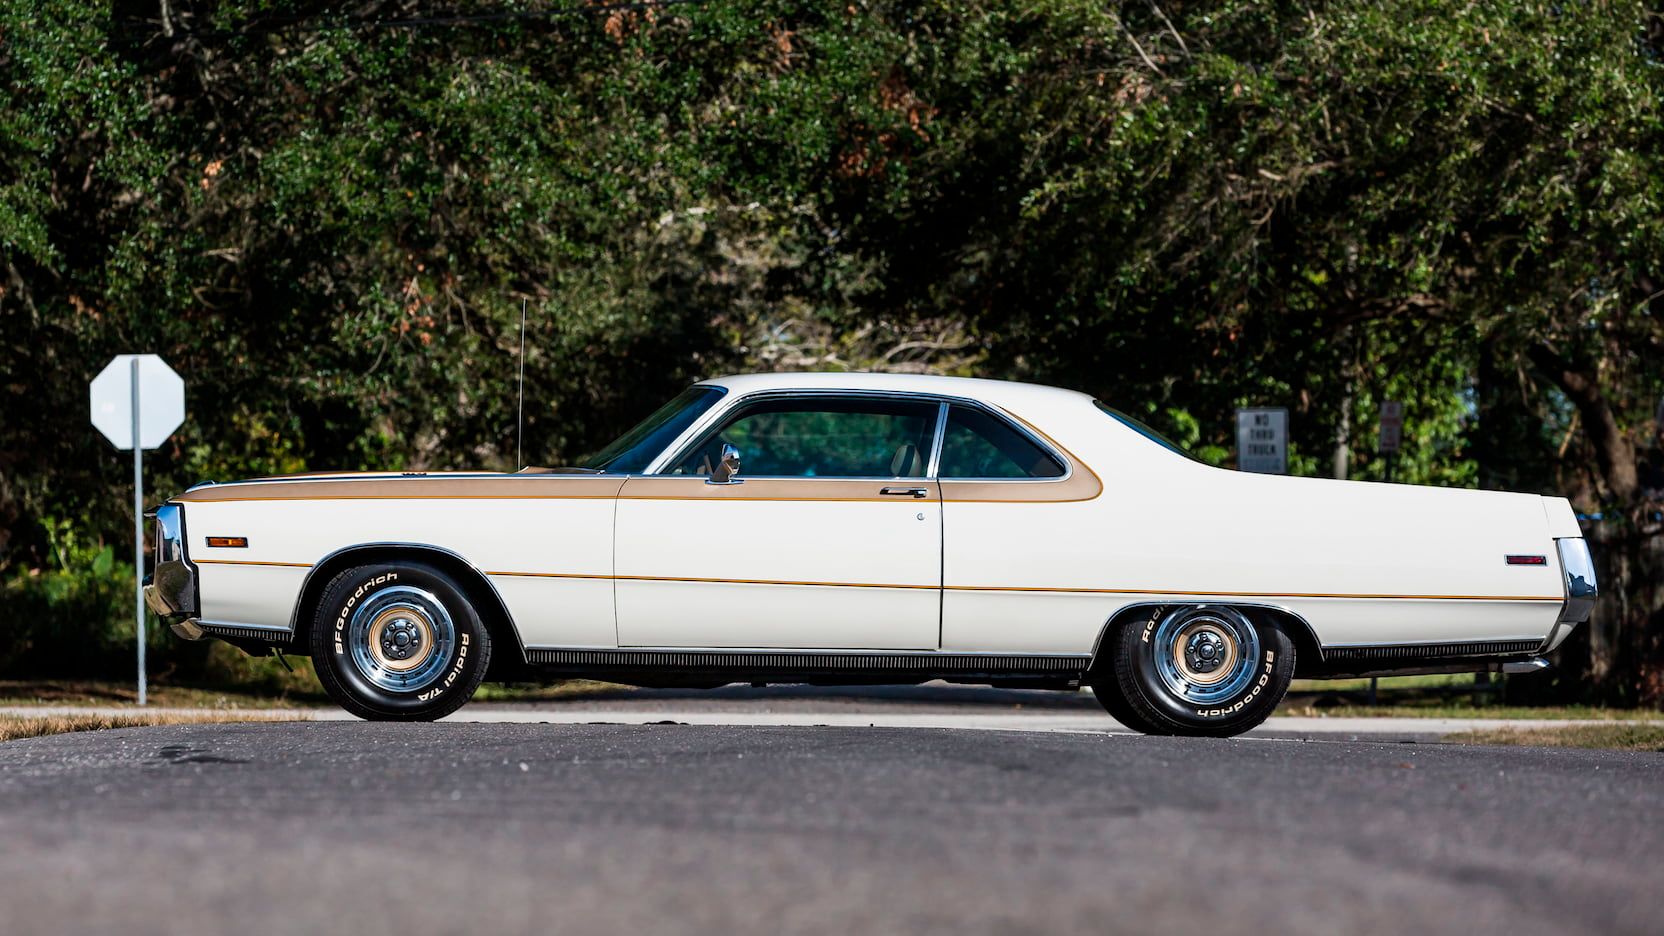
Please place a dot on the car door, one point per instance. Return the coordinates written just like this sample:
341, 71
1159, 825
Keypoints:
1011, 526
829, 537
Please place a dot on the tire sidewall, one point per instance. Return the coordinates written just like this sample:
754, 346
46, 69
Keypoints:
1238, 713
464, 667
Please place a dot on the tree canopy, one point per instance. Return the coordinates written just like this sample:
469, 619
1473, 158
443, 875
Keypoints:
328, 221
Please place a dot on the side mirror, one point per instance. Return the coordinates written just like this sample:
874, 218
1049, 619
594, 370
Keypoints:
726, 467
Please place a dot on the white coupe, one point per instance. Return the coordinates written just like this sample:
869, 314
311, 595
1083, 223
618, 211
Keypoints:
867, 528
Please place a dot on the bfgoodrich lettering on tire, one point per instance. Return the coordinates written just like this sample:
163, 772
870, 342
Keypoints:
1210, 670
398, 642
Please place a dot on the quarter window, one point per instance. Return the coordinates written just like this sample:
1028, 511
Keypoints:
978, 444
822, 438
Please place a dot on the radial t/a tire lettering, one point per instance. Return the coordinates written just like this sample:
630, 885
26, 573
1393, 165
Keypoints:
1209, 670
1107, 689
398, 642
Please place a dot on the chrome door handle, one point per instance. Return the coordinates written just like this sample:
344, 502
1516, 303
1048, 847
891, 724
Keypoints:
906, 492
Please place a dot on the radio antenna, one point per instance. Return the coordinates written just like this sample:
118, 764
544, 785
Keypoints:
520, 417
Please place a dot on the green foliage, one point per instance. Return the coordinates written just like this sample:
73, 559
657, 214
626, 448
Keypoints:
329, 227
74, 617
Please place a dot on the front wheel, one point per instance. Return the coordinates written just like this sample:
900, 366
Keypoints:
398, 642
1209, 670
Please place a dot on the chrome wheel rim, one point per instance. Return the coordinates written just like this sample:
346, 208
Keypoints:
401, 638
1206, 655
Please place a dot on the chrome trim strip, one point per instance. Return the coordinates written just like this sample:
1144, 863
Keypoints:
803, 650
1448, 650
409, 476
1097, 645
266, 628
743, 664
245, 631
294, 614
1428, 643
935, 465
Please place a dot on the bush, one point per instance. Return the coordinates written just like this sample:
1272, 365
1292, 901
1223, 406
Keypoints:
72, 618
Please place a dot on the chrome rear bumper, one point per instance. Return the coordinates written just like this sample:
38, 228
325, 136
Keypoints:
1582, 591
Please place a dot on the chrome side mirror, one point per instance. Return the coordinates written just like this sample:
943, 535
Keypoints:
726, 467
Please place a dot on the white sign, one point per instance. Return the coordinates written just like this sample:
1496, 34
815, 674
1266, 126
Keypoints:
161, 396
1392, 426
1262, 440
137, 398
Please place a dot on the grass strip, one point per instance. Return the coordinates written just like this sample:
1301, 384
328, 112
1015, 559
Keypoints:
13, 727
1497, 712
29, 692
1594, 735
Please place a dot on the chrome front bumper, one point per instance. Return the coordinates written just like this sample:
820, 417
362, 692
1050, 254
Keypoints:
170, 590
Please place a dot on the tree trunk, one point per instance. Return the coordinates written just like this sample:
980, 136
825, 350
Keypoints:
1614, 453
1621, 649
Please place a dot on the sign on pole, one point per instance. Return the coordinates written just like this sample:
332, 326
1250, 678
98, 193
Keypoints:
1262, 440
137, 402
1392, 426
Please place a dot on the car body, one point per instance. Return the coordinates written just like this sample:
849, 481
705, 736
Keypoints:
892, 528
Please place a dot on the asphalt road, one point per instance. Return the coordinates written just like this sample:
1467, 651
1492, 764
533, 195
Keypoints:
523, 828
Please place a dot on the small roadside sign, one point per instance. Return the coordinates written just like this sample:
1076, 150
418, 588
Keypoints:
1392, 426
137, 401
1262, 440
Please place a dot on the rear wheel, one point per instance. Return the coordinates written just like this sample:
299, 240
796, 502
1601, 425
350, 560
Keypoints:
1108, 693
398, 642
1211, 670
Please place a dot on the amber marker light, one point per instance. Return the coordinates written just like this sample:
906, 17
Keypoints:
228, 542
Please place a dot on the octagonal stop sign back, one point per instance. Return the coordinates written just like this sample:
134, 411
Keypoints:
161, 400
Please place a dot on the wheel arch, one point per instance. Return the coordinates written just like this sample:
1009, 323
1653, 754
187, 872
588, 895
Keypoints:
480, 592
1308, 652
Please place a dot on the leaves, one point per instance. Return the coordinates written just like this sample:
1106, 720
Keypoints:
329, 226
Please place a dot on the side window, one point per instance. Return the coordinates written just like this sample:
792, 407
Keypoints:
978, 444
822, 438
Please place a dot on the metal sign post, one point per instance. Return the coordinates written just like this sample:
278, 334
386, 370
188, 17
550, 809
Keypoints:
138, 525
137, 402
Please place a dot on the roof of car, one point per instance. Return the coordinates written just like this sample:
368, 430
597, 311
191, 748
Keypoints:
975, 388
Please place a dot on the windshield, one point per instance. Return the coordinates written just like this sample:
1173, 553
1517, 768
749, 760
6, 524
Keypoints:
631, 452
1141, 429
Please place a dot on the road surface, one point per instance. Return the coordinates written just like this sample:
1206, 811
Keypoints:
506, 828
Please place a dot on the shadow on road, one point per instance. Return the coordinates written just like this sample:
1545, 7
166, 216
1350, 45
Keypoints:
931, 694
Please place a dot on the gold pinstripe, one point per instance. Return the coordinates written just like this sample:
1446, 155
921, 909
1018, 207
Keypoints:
1048, 589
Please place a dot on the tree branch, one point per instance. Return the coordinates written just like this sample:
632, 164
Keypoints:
1614, 453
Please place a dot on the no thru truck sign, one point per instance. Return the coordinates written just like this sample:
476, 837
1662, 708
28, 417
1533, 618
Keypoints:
1262, 440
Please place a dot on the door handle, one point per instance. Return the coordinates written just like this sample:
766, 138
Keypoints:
905, 492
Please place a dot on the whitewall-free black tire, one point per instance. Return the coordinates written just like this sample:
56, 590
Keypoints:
398, 641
